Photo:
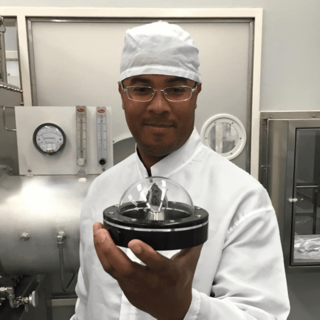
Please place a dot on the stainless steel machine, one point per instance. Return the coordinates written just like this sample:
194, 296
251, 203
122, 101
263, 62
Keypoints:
59, 151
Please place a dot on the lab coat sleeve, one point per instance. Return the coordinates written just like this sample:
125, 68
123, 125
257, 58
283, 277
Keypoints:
81, 304
250, 282
82, 287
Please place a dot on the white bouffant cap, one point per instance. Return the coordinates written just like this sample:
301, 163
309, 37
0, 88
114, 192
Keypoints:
159, 48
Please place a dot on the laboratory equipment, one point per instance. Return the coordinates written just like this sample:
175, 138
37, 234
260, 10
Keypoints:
224, 134
79, 133
160, 212
291, 174
101, 116
81, 123
49, 139
40, 207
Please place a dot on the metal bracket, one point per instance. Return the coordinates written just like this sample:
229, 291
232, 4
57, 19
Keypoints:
2, 28
61, 236
4, 119
3, 65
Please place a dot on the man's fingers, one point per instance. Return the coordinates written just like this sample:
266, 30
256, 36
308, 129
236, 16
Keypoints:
113, 260
147, 255
188, 256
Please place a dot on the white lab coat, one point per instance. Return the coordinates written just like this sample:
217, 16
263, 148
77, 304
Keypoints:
241, 263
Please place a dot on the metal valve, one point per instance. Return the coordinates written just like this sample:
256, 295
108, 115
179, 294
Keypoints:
24, 236
33, 299
60, 238
15, 302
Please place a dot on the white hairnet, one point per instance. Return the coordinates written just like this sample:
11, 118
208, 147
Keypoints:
159, 48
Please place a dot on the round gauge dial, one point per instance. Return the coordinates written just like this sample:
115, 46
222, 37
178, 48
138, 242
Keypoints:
224, 134
49, 139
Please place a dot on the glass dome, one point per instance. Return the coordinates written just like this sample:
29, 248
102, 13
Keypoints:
156, 199
159, 212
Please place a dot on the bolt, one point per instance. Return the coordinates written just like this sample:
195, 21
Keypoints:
133, 219
29, 170
171, 220
198, 215
111, 212
313, 116
270, 116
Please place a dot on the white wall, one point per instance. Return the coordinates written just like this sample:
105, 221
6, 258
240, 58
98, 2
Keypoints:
291, 43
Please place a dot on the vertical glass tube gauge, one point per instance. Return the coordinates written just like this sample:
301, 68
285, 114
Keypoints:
101, 116
81, 119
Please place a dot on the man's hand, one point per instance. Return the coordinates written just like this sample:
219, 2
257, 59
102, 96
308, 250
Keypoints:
162, 288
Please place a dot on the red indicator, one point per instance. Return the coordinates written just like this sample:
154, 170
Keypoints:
80, 110
101, 111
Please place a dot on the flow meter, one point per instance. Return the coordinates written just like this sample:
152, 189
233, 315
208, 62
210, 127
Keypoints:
159, 212
49, 139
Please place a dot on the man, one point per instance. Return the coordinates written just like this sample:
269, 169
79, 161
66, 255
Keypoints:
238, 273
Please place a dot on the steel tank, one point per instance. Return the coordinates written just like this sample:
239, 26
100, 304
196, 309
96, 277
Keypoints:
34, 210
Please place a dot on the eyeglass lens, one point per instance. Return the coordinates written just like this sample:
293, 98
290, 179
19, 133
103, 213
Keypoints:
147, 93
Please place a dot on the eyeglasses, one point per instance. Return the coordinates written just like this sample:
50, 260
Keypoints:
145, 94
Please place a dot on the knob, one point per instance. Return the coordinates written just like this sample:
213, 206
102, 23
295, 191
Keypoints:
34, 298
24, 236
81, 161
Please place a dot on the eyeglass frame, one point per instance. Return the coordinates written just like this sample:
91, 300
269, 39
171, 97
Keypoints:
125, 90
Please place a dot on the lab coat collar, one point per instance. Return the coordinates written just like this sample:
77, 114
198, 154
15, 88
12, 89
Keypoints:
174, 161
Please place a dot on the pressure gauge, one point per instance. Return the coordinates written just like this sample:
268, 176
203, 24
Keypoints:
49, 139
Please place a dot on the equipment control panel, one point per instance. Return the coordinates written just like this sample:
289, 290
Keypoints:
64, 140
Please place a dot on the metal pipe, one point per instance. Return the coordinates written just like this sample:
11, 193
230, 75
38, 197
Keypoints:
60, 237
11, 297
3, 61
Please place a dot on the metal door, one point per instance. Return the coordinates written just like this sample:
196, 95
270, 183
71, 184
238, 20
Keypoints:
305, 247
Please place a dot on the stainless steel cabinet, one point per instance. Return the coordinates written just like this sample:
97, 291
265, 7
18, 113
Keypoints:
290, 171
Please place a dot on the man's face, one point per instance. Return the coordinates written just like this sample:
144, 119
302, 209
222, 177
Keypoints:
159, 126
